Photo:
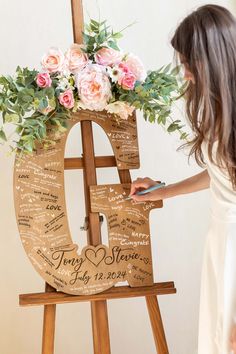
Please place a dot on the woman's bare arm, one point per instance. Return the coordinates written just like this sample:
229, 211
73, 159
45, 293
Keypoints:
189, 185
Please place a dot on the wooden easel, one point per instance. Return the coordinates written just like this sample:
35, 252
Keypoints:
89, 162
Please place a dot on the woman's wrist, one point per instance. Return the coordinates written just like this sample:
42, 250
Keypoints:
170, 191
189, 185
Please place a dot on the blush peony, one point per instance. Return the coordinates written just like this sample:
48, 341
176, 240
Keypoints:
94, 87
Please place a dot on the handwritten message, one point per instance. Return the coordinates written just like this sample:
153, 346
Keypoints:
122, 135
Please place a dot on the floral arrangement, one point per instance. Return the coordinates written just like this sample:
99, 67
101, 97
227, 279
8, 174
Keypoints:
96, 75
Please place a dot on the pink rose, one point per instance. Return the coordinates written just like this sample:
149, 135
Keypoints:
94, 87
123, 67
127, 81
108, 56
135, 65
125, 77
43, 80
53, 60
76, 59
66, 99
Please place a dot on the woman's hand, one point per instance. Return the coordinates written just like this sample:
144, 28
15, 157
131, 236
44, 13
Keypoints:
144, 183
233, 339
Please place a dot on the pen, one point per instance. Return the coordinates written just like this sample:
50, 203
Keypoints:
150, 189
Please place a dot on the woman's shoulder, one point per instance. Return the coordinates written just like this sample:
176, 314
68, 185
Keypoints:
218, 168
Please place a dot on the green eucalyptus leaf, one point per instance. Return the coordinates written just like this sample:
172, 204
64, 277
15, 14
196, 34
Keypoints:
86, 37
27, 98
117, 35
176, 70
3, 81
95, 23
113, 45
159, 119
167, 68
3, 135
29, 146
94, 28
183, 136
172, 127
24, 137
11, 118
152, 117
101, 37
42, 131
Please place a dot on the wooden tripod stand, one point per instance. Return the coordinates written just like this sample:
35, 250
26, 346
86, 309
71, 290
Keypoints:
51, 297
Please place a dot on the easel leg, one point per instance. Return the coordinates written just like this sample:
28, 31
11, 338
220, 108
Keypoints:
101, 339
157, 325
48, 325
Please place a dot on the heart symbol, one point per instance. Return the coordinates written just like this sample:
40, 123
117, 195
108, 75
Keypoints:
95, 257
111, 190
17, 187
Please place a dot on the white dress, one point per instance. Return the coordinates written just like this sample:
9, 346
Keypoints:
217, 311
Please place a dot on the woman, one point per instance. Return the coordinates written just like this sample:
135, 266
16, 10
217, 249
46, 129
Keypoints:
205, 43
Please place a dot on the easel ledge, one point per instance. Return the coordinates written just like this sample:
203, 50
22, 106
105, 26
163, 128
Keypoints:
117, 292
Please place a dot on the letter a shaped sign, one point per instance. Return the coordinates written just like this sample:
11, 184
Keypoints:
41, 214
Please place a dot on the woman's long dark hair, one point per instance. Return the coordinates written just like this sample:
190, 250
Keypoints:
206, 39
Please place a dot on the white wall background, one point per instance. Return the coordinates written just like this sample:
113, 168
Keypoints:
27, 29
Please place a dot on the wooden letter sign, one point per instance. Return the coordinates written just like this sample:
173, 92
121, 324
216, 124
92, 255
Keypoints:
42, 217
